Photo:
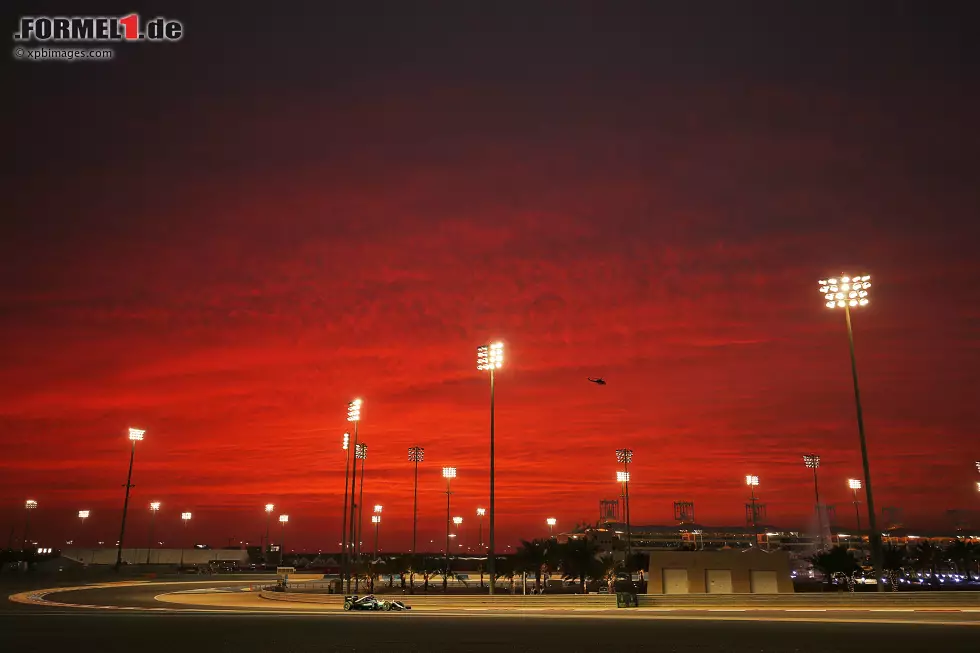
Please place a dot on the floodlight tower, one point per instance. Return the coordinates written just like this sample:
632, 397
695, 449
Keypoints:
851, 292
855, 485
480, 512
812, 461
353, 415
360, 453
135, 435
753, 481
82, 516
491, 358
457, 522
185, 517
154, 509
415, 455
283, 520
448, 473
376, 520
29, 505
269, 507
343, 524
625, 457
551, 521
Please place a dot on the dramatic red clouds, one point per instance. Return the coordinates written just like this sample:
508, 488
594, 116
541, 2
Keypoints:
234, 267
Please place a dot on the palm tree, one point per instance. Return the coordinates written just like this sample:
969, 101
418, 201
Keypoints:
836, 560
893, 559
503, 568
532, 556
578, 561
926, 555
964, 555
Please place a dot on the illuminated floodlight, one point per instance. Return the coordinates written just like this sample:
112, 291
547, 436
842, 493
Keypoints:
360, 450
978, 486
449, 472
751, 480
378, 508
624, 456
978, 465
30, 504
283, 519
269, 507
83, 514
480, 512
354, 411
845, 291
136, 434
346, 441
416, 454
551, 521
154, 506
186, 516
457, 520
811, 460
623, 477
490, 357
854, 484
375, 519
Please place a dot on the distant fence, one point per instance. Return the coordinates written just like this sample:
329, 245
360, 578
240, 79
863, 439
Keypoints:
826, 600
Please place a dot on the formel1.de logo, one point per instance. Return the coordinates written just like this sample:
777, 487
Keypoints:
97, 29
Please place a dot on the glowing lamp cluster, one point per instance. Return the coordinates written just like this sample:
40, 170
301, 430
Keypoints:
30, 504
136, 434
354, 411
490, 357
269, 507
449, 472
283, 519
360, 451
623, 477
416, 454
375, 519
378, 508
154, 506
346, 441
457, 520
846, 291
624, 456
481, 512
854, 484
751, 480
186, 516
811, 460
83, 514
552, 521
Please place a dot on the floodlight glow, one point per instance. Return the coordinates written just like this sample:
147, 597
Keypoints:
375, 519
552, 521
811, 460
978, 465
354, 411
854, 484
30, 504
751, 480
624, 456
154, 506
83, 514
449, 472
623, 477
490, 357
416, 454
457, 520
283, 519
269, 507
852, 291
186, 516
346, 441
136, 434
377, 508
360, 450
481, 512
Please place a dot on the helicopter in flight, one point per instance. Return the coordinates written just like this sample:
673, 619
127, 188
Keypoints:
599, 381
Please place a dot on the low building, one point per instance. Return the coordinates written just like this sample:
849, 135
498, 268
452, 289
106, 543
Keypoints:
751, 571
187, 557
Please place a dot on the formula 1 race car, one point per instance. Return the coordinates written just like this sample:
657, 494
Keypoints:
371, 603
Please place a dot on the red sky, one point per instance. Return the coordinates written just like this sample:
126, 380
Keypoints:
227, 260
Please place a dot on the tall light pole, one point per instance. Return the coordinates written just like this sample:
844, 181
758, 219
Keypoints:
360, 453
753, 481
449, 473
812, 461
353, 415
415, 455
82, 516
491, 358
457, 522
480, 512
847, 293
551, 526
376, 520
269, 507
343, 524
185, 517
154, 509
625, 457
135, 435
283, 520
855, 485
29, 505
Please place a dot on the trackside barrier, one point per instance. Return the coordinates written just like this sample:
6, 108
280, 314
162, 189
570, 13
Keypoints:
814, 600
466, 602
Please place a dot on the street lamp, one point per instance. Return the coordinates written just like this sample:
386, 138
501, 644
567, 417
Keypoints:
551, 526
269, 507
29, 505
360, 453
449, 473
855, 485
343, 524
850, 292
752, 481
415, 455
812, 461
376, 520
185, 517
490, 358
353, 415
154, 509
135, 435
480, 512
625, 457
283, 520
82, 516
